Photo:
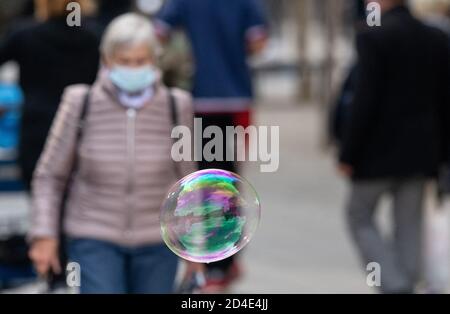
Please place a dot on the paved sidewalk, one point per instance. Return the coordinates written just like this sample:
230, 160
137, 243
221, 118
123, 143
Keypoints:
301, 245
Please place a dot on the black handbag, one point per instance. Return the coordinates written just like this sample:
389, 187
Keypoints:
14, 251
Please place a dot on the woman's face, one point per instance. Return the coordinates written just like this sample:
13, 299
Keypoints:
133, 57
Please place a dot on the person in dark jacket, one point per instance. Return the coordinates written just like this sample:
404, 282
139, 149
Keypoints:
51, 56
340, 112
108, 10
397, 137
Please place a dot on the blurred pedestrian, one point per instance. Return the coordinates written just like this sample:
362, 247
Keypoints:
108, 10
51, 55
123, 168
396, 137
341, 109
222, 35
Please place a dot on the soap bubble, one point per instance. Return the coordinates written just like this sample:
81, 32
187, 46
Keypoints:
209, 215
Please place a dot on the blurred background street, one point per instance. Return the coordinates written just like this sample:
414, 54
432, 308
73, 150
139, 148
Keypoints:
302, 241
302, 244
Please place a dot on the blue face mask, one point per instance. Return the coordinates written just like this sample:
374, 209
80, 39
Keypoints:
133, 80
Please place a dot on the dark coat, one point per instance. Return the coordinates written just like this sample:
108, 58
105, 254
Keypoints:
51, 56
399, 119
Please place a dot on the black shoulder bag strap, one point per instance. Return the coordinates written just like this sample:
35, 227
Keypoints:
174, 117
56, 281
78, 137
173, 108
82, 120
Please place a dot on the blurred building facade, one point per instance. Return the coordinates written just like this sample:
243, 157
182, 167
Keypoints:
309, 52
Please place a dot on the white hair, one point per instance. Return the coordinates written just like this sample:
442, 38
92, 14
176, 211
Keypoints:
127, 30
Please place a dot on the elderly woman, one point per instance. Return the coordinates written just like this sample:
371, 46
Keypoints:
123, 170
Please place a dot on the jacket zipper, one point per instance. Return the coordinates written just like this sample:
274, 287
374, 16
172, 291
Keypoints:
131, 158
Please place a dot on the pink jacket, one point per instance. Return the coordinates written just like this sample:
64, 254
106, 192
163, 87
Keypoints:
124, 166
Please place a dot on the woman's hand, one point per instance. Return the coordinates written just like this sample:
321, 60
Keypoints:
44, 255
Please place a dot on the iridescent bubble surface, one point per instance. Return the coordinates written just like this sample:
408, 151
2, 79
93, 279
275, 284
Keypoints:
209, 215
